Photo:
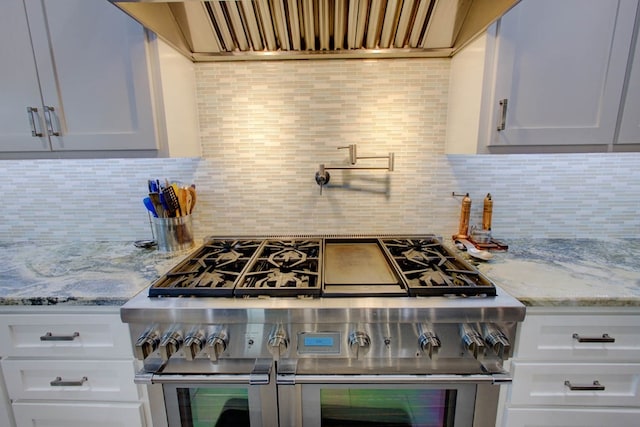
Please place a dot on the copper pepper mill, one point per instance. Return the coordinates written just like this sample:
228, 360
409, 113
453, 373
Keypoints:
465, 213
487, 212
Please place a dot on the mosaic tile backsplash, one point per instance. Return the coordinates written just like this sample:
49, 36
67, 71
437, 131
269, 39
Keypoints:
265, 128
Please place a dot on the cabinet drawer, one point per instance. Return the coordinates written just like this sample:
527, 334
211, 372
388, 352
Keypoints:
580, 417
557, 338
70, 379
64, 335
78, 414
544, 384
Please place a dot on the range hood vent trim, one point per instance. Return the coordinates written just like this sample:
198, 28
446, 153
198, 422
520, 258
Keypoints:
223, 30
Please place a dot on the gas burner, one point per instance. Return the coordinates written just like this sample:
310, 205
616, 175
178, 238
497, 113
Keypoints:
212, 271
430, 269
287, 258
284, 268
276, 278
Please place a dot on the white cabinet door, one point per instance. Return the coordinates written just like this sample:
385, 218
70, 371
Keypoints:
92, 64
574, 338
18, 83
561, 66
630, 125
576, 417
57, 414
6, 417
64, 335
572, 384
97, 380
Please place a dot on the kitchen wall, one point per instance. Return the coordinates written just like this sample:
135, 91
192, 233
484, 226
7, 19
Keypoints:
265, 128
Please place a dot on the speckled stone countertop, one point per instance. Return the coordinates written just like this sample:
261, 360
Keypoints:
81, 273
539, 272
568, 272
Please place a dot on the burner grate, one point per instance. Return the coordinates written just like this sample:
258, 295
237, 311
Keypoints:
212, 271
284, 268
430, 269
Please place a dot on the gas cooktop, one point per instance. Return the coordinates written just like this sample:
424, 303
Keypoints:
323, 266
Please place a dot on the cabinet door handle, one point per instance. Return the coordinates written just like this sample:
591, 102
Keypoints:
503, 114
59, 382
50, 337
596, 386
32, 121
603, 338
48, 119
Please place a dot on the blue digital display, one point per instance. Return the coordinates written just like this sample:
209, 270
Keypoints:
316, 341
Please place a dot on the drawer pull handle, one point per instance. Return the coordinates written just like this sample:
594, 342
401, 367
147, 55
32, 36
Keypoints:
50, 337
59, 382
596, 386
603, 338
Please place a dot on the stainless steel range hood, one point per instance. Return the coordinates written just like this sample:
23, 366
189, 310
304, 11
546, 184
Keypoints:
221, 30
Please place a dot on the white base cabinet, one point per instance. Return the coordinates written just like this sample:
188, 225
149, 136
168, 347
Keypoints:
575, 367
70, 367
576, 417
77, 415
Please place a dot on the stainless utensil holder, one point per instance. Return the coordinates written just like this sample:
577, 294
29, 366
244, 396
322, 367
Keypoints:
173, 234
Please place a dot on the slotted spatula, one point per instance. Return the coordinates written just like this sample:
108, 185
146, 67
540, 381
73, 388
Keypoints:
171, 202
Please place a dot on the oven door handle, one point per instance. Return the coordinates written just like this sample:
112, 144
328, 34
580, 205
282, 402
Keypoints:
290, 379
250, 379
260, 375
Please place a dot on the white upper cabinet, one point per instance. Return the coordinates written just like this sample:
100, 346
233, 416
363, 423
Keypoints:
82, 67
554, 76
630, 124
19, 84
561, 67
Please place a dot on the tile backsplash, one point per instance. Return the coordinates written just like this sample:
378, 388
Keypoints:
265, 128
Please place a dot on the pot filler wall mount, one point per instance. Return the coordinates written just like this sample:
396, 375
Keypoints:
323, 177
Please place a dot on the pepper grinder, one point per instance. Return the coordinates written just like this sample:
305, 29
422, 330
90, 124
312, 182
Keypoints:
465, 213
487, 211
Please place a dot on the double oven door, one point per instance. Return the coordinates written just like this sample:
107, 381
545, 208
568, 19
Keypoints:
331, 401
220, 404
388, 400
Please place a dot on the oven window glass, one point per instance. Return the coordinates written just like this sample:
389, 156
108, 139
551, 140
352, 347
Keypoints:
213, 407
387, 407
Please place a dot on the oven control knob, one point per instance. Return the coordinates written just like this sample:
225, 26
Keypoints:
496, 340
429, 343
170, 344
472, 340
193, 344
216, 345
359, 343
147, 343
278, 342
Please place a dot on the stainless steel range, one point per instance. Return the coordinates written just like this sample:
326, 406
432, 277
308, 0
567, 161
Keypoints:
323, 331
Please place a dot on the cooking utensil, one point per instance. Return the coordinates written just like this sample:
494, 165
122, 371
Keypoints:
150, 206
192, 191
157, 204
473, 251
189, 201
170, 201
182, 199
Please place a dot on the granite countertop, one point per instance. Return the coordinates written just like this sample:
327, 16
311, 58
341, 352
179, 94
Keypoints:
79, 273
568, 272
539, 272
